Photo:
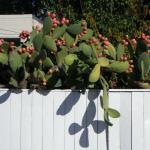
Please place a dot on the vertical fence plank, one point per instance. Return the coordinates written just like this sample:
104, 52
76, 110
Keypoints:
80, 109
26, 120
69, 119
15, 123
36, 135
146, 120
92, 119
137, 121
114, 132
5, 120
125, 120
48, 118
102, 138
59, 120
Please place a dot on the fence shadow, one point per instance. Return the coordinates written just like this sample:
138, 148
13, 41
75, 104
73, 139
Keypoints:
88, 118
4, 97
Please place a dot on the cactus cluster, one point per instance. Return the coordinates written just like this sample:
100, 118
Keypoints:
64, 55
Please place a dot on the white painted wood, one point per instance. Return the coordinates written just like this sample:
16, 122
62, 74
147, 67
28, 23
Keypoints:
137, 121
80, 109
15, 122
125, 121
37, 122
102, 137
48, 121
59, 121
146, 120
12, 25
93, 127
114, 131
69, 119
26, 120
5, 120
30, 121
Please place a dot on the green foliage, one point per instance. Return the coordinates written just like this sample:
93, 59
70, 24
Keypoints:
38, 41
119, 67
15, 61
74, 29
47, 26
49, 43
95, 74
3, 59
113, 113
74, 56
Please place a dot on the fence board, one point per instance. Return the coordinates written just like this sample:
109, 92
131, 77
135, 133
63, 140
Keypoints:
125, 120
146, 121
102, 140
137, 121
69, 119
15, 134
59, 121
26, 121
48, 119
72, 121
114, 132
37, 122
94, 126
80, 109
5, 120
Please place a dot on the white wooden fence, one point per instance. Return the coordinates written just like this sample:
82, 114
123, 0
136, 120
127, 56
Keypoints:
65, 120
12, 25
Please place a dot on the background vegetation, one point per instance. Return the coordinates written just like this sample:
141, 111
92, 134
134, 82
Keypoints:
113, 18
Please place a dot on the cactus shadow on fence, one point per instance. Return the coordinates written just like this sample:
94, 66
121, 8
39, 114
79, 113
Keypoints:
88, 118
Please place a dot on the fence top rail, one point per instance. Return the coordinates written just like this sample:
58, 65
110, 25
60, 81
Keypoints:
69, 90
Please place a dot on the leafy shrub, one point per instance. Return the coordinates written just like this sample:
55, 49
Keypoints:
63, 55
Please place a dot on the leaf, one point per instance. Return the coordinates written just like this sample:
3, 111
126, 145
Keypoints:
105, 99
145, 58
120, 51
103, 61
47, 25
95, 74
74, 29
3, 58
59, 31
13, 82
113, 113
111, 51
49, 43
33, 35
15, 61
118, 66
41, 74
48, 62
24, 57
38, 41
141, 47
88, 35
69, 39
42, 54
5, 47
85, 49
61, 56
